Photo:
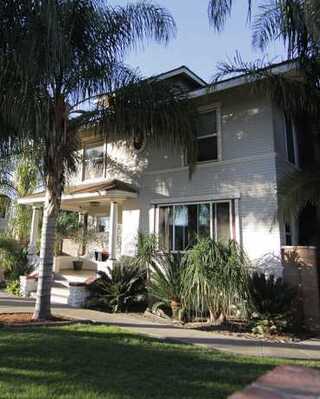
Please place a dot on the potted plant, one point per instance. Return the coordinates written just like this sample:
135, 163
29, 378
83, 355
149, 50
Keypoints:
82, 239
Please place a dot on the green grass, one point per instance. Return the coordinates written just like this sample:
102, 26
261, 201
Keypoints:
92, 362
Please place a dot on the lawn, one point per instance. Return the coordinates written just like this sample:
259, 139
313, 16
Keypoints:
91, 362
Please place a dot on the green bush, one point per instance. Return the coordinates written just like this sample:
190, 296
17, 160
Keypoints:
273, 303
216, 277
13, 259
122, 289
13, 287
166, 282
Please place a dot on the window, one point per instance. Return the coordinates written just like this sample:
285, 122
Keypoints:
207, 136
103, 223
139, 142
93, 162
290, 140
180, 225
288, 234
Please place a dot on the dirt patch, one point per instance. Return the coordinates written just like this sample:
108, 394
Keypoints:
25, 320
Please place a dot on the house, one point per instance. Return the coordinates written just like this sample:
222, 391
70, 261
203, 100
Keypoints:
246, 145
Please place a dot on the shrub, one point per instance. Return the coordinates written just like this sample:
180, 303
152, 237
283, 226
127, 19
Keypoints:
13, 287
273, 303
166, 281
122, 289
216, 278
13, 259
146, 250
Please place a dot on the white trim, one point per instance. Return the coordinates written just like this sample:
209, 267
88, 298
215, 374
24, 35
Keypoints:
224, 197
239, 81
179, 71
83, 196
210, 164
237, 220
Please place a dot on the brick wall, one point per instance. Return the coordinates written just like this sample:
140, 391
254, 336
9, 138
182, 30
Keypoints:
301, 271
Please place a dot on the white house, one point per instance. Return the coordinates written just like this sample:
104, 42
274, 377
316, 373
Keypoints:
245, 147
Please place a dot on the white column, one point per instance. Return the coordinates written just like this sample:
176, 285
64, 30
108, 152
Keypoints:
113, 230
34, 230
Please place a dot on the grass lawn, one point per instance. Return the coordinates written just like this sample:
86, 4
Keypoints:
91, 362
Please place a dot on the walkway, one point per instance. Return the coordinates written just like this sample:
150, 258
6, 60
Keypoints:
307, 350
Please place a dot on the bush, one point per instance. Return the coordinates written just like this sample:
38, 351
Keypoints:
166, 282
13, 287
122, 289
216, 278
273, 303
13, 259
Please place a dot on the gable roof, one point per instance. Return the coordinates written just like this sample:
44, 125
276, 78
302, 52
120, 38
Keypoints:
184, 72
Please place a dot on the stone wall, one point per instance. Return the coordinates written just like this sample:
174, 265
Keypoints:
301, 270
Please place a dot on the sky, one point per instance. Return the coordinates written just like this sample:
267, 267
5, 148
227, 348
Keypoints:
197, 45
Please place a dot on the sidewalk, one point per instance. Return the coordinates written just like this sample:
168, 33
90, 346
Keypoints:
307, 350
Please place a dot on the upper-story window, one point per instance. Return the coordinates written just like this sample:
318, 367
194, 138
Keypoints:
290, 140
207, 135
93, 162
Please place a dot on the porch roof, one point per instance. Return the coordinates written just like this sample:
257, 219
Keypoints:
101, 191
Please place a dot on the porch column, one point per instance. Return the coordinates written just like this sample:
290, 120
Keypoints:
113, 230
34, 230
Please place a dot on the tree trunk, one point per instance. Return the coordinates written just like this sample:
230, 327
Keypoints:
43, 305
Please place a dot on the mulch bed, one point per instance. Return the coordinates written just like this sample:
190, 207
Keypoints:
233, 327
25, 320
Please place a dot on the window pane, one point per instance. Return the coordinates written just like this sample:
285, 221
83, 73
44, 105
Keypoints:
290, 140
204, 220
185, 226
207, 124
223, 222
93, 162
165, 228
208, 149
102, 224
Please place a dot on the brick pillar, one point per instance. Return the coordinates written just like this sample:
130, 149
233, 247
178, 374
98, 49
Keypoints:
301, 271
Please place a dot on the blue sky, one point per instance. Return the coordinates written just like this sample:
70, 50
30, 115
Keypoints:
197, 45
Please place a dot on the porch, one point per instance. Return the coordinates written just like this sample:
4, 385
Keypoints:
99, 206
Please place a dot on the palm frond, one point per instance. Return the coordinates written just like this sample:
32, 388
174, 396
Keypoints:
220, 10
297, 190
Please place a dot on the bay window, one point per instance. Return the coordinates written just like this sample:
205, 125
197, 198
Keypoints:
181, 224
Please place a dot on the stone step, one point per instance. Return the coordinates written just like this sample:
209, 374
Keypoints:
59, 295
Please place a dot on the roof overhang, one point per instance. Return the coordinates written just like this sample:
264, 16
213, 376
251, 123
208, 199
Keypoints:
84, 194
241, 80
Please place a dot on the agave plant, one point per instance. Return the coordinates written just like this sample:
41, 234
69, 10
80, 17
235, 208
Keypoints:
216, 278
166, 283
119, 290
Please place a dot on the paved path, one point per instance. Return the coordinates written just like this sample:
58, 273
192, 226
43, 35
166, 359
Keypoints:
308, 350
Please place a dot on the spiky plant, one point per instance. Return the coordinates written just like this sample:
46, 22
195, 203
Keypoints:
216, 278
166, 282
61, 69
120, 289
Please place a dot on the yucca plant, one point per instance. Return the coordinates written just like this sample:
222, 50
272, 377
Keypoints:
166, 282
215, 279
119, 290
147, 247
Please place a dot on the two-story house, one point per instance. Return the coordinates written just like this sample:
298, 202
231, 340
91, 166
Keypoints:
245, 146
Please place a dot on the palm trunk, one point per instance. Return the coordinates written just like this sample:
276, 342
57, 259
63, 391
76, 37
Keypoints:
43, 305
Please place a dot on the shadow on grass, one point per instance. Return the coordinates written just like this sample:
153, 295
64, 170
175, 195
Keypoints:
101, 362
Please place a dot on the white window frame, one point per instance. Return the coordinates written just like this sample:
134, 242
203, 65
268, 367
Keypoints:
206, 109
234, 234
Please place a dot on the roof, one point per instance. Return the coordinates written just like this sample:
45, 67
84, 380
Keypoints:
101, 188
185, 72
279, 68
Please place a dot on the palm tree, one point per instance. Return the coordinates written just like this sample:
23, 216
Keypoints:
297, 24
61, 69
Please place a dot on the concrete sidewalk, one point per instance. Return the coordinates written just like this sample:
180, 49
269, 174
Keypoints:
307, 350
